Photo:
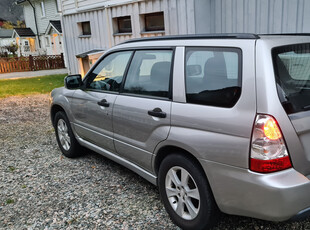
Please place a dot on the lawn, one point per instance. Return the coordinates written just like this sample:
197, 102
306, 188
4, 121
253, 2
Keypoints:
34, 85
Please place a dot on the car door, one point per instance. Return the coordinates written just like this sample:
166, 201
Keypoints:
92, 106
141, 115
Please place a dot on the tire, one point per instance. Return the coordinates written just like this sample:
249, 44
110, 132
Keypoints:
190, 204
65, 137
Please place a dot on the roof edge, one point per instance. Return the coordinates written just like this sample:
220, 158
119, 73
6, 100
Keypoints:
198, 36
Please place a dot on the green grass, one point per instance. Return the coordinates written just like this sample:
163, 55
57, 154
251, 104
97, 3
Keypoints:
12, 168
10, 201
34, 85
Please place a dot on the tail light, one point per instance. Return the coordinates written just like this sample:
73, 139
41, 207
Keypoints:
268, 150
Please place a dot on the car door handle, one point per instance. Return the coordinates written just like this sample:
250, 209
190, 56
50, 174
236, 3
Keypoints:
157, 112
104, 103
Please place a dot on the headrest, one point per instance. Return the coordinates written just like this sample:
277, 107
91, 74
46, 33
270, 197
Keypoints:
160, 71
215, 68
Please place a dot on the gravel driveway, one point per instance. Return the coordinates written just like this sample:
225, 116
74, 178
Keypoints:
40, 189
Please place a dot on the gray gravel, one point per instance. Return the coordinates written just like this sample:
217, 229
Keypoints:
41, 189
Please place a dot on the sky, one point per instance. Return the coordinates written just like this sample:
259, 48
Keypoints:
10, 11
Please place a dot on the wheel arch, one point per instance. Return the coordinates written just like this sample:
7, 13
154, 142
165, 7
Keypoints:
55, 109
165, 151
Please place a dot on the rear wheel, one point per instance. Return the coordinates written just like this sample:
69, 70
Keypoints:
65, 137
186, 194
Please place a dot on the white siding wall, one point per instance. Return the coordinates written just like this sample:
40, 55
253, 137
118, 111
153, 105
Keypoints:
76, 6
178, 15
6, 41
50, 14
29, 17
181, 17
253, 16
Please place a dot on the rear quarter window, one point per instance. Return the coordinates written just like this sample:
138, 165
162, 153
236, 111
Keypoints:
292, 73
213, 76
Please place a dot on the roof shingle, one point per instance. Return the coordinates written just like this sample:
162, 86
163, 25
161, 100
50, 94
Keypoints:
24, 32
5, 33
57, 25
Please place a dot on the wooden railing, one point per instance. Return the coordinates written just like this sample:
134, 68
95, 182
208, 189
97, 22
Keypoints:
31, 63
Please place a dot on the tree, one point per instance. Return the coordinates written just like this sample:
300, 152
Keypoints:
8, 25
12, 48
20, 24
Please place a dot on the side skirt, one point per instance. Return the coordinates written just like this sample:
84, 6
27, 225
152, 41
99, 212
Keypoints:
140, 171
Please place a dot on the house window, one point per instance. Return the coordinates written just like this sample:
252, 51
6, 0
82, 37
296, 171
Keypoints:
26, 43
84, 28
124, 24
42, 9
154, 21
58, 5
47, 42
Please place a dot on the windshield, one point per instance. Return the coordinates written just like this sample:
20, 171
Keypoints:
292, 70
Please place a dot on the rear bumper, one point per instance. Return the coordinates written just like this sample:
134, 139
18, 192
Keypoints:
275, 197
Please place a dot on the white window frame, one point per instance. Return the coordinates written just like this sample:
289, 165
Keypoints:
47, 41
42, 9
58, 5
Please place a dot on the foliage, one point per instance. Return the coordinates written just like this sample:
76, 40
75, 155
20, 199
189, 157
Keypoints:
34, 85
10, 201
10, 49
8, 25
3, 52
20, 24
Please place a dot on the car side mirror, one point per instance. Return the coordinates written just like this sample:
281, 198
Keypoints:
193, 70
73, 81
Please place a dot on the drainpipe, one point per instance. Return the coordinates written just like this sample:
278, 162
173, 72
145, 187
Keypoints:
35, 22
108, 24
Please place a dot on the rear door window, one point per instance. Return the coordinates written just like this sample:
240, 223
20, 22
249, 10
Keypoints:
292, 73
149, 73
213, 76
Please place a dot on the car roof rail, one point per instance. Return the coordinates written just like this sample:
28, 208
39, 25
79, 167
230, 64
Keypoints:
197, 36
286, 34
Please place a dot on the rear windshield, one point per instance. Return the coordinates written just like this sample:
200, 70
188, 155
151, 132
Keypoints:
292, 70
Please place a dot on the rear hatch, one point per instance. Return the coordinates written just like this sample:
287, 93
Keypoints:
292, 73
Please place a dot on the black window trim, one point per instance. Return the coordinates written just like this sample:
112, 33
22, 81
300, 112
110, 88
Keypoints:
159, 13
85, 34
118, 27
237, 50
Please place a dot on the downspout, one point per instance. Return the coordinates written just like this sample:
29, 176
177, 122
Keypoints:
108, 24
35, 22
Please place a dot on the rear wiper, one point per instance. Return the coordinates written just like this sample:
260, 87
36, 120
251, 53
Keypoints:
307, 107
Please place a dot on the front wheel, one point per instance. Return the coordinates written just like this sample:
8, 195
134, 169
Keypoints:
186, 194
65, 137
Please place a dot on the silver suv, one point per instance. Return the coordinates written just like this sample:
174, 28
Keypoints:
219, 122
